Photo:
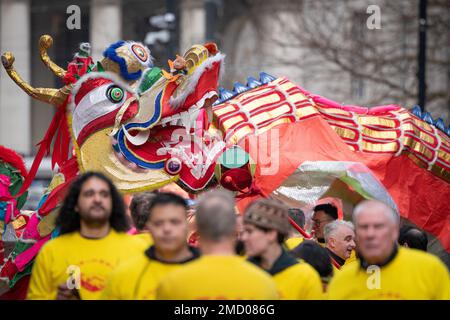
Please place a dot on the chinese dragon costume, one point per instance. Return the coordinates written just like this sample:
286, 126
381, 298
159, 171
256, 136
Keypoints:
145, 127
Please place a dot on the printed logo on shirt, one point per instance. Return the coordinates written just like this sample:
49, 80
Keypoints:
74, 280
94, 273
374, 280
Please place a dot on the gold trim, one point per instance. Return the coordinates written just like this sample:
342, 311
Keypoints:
372, 120
390, 134
344, 132
379, 147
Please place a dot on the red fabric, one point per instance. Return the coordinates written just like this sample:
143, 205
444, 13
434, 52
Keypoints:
14, 159
299, 229
55, 197
9, 269
73, 70
2, 252
23, 259
420, 196
44, 147
19, 292
60, 152
70, 171
206, 83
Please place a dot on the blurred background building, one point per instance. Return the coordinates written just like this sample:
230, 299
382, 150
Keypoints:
324, 46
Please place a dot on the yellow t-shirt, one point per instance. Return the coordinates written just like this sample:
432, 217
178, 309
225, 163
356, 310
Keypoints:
146, 236
214, 277
295, 279
70, 258
293, 242
350, 260
299, 282
412, 274
138, 278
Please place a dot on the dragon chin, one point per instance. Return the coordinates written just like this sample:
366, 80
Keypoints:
124, 177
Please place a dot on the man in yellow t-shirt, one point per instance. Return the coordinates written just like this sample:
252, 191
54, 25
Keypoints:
340, 242
386, 271
266, 225
138, 278
219, 273
323, 214
92, 243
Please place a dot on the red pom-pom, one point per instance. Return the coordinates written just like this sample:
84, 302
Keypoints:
212, 48
14, 159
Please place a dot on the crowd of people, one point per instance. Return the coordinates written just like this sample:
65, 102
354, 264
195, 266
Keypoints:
172, 249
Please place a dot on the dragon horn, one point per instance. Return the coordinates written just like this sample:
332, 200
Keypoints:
48, 95
45, 42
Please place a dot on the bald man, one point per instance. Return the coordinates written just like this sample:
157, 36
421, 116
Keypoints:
219, 274
386, 271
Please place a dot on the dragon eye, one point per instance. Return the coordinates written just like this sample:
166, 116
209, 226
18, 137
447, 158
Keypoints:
115, 94
140, 52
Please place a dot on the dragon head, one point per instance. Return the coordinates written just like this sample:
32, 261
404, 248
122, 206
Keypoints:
126, 114
138, 124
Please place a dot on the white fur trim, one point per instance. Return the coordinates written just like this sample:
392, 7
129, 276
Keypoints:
95, 75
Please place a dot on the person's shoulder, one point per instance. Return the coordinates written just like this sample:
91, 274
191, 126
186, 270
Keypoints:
419, 257
293, 242
176, 276
61, 242
301, 267
345, 273
132, 265
129, 240
301, 271
145, 236
252, 269
134, 262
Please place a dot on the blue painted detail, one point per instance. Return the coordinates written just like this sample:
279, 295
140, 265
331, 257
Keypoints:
2, 210
427, 118
121, 138
111, 54
239, 88
417, 111
225, 94
55, 232
439, 123
253, 83
41, 202
265, 77
448, 130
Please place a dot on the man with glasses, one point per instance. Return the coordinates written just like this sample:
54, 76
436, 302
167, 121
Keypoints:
323, 215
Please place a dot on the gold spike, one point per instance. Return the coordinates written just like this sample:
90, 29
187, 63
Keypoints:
47, 95
45, 42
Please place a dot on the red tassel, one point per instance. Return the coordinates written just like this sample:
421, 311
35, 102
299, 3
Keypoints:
299, 229
14, 159
44, 147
